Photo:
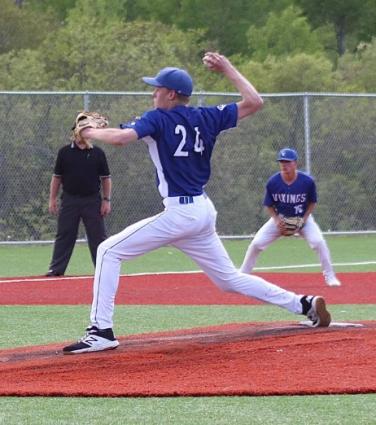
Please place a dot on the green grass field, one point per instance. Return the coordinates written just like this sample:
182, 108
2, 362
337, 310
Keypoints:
28, 260
32, 325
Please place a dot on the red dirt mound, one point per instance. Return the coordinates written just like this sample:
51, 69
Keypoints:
240, 359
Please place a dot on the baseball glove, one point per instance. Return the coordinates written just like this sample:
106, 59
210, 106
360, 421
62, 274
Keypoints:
291, 225
85, 120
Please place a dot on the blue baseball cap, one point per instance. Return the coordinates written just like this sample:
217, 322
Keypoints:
172, 78
287, 154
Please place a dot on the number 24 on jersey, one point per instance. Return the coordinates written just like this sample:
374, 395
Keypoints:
198, 146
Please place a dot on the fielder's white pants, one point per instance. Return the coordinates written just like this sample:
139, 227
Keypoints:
269, 232
191, 229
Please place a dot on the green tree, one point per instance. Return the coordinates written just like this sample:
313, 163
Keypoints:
286, 33
295, 73
164, 11
89, 55
300, 73
58, 8
225, 23
21, 28
346, 16
102, 10
97, 51
22, 70
356, 71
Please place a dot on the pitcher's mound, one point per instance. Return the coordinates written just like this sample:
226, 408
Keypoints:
282, 358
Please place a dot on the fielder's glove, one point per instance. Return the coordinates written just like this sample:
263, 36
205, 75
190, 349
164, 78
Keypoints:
85, 120
292, 225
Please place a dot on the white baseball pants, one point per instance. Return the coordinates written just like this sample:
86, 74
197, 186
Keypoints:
190, 228
269, 232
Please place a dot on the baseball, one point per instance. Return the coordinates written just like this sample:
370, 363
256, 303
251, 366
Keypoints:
207, 61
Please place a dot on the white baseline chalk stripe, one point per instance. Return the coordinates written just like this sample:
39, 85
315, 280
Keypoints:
298, 266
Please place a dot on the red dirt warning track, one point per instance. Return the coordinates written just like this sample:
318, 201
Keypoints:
181, 289
277, 358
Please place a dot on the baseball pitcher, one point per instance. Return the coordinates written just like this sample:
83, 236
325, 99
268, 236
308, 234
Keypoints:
180, 139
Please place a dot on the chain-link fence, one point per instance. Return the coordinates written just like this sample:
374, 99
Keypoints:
333, 134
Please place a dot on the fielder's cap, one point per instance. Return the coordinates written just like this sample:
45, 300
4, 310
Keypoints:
172, 78
287, 154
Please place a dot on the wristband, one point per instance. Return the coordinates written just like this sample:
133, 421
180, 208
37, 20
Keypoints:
106, 199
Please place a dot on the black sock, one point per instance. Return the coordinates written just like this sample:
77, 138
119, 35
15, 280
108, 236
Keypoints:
306, 305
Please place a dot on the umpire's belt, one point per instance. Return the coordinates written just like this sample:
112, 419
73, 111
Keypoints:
184, 200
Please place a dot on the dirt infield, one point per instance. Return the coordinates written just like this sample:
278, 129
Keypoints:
276, 358
181, 289
240, 359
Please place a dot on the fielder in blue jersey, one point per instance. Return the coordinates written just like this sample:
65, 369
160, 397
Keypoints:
290, 193
181, 139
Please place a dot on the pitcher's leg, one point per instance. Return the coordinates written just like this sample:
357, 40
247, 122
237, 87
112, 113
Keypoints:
211, 256
267, 234
133, 241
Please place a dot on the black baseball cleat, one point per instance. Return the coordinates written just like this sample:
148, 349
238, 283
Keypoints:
315, 309
94, 340
52, 273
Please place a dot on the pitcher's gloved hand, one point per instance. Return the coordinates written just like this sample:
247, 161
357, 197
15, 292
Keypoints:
85, 120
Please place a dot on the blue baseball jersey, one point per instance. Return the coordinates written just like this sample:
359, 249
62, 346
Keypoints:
181, 142
290, 200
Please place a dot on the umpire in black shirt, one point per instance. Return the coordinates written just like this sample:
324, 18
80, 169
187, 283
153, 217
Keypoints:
83, 173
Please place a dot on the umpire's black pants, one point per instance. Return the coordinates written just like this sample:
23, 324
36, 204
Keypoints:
72, 210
